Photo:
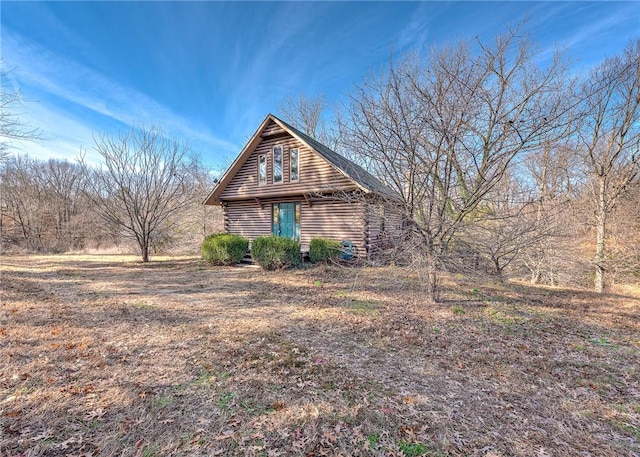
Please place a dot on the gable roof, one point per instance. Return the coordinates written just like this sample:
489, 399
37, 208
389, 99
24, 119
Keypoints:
361, 177
352, 170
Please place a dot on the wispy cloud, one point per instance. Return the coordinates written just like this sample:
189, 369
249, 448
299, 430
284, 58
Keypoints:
272, 65
61, 136
609, 27
602, 25
54, 76
417, 30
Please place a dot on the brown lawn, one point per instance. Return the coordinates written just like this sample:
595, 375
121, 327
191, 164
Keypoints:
106, 356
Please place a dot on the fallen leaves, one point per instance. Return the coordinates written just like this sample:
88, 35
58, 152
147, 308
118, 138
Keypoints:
258, 364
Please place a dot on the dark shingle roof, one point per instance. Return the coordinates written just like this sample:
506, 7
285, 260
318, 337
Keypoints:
354, 171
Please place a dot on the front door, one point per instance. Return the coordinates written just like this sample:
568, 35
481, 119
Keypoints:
286, 220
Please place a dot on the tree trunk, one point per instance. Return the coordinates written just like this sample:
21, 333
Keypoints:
143, 242
499, 268
601, 220
536, 276
432, 283
145, 252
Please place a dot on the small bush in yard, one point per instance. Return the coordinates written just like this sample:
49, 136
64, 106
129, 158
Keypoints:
321, 249
273, 252
224, 248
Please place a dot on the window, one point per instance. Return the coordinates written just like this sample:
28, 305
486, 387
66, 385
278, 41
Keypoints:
286, 220
277, 164
294, 171
262, 170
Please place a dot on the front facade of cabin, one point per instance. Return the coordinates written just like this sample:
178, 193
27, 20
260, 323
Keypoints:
281, 184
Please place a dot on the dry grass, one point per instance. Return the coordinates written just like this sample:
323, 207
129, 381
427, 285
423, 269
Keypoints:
106, 356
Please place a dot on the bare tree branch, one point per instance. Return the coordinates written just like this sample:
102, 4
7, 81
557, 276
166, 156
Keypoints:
144, 183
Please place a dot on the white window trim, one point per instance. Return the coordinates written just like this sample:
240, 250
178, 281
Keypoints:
266, 170
290, 162
273, 164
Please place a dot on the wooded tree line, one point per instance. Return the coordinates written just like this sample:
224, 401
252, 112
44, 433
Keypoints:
501, 163
146, 193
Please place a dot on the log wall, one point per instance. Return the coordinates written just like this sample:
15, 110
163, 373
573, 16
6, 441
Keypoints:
316, 174
336, 220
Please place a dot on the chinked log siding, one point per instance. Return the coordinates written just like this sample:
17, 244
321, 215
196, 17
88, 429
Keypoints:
316, 175
336, 220
246, 218
327, 218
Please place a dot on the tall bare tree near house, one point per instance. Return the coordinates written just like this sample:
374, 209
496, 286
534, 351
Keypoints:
443, 129
145, 181
310, 114
305, 113
610, 139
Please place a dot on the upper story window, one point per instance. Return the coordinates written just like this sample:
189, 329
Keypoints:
294, 171
262, 170
277, 164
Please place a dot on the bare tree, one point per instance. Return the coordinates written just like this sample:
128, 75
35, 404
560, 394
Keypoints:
144, 183
610, 139
41, 204
623, 238
501, 229
23, 193
443, 130
311, 115
305, 113
186, 229
65, 184
552, 172
12, 128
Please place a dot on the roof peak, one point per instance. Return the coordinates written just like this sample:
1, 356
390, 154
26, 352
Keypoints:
361, 177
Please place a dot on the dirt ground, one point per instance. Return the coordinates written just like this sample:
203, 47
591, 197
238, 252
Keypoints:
107, 356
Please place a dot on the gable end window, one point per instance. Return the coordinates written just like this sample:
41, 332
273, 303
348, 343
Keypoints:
277, 164
262, 170
294, 166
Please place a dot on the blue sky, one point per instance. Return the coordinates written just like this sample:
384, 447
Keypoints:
209, 72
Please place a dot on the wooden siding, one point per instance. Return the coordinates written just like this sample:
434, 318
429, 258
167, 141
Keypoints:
336, 220
272, 129
246, 218
316, 175
331, 219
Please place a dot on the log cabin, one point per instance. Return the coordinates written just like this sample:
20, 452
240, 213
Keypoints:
286, 183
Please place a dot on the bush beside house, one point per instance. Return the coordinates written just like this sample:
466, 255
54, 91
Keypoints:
323, 249
274, 252
224, 248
